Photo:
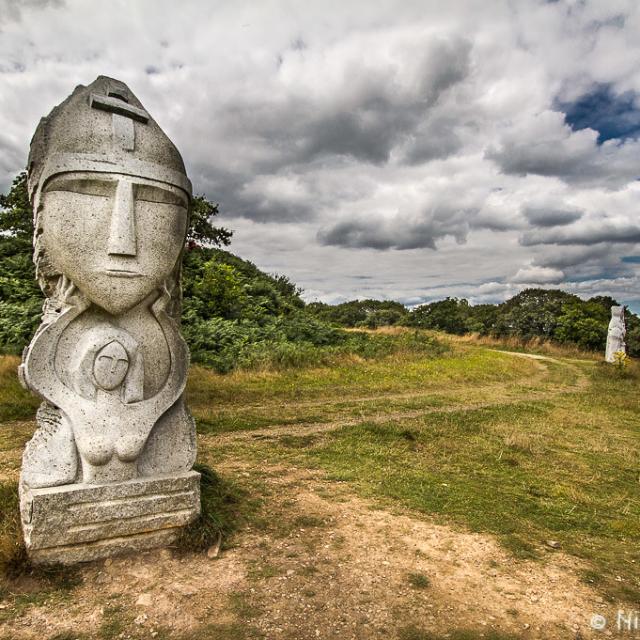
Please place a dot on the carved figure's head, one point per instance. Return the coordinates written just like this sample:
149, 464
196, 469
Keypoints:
110, 197
110, 366
108, 358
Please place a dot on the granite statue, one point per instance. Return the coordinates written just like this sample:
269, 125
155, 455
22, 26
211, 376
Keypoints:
109, 468
616, 334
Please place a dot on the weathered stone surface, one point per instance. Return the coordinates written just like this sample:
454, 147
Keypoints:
63, 523
616, 334
110, 198
73, 553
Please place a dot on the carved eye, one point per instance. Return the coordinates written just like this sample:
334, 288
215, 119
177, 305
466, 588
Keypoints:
89, 187
106, 357
147, 193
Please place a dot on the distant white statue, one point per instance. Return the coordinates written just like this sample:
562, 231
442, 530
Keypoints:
615, 337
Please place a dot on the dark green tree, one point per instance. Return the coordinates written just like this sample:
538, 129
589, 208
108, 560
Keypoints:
450, 315
20, 295
201, 231
482, 318
584, 324
16, 216
361, 313
633, 334
533, 313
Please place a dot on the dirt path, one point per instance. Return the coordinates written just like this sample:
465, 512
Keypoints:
323, 564
318, 562
582, 380
530, 356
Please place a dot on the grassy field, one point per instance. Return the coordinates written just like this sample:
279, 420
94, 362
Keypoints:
540, 452
530, 450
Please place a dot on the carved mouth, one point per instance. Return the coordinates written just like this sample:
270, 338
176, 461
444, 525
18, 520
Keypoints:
123, 273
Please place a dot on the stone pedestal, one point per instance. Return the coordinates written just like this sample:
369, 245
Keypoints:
77, 523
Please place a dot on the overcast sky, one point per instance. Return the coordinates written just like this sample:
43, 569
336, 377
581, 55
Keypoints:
397, 150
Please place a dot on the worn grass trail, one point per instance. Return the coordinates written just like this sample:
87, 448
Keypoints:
386, 407
405, 382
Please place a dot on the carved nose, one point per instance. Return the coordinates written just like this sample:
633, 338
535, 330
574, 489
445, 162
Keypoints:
122, 232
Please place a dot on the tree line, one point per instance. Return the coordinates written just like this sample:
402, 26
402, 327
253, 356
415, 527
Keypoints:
235, 315
547, 314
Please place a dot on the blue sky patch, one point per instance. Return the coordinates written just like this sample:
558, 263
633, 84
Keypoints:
633, 306
611, 115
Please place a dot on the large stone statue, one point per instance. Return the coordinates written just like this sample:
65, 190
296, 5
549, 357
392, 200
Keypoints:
616, 334
109, 468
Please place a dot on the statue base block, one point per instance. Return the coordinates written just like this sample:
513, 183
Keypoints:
82, 522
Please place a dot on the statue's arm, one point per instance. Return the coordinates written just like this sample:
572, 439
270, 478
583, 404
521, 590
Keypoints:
179, 361
38, 368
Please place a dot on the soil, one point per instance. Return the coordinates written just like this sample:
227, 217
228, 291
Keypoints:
325, 564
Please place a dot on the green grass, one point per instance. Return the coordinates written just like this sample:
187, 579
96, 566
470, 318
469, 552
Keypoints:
15, 402
419, 580
562, 468
115, 621
12, 551
521, 449
400, 381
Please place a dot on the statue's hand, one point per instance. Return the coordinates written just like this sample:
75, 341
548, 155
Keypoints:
71, 296
161, 303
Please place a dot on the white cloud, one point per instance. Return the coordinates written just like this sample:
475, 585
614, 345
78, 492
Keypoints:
403, 150
538, 275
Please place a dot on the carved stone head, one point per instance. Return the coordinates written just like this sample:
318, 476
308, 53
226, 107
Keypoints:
110, 197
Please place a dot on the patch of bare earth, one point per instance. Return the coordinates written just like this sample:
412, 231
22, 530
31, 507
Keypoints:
319, 563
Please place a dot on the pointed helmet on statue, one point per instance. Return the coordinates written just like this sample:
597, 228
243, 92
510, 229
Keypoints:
103, 127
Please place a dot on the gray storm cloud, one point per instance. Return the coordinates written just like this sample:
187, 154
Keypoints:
421, 146
593, 234
551, 217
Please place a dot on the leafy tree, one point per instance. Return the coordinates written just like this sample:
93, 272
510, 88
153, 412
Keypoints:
285, 286
218, 284
482, 318
220, 288
16, 217
17, 273
450, 315
361, 313
532, 313
384, 318
20, 295
584, 324
633, 334
200, 228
